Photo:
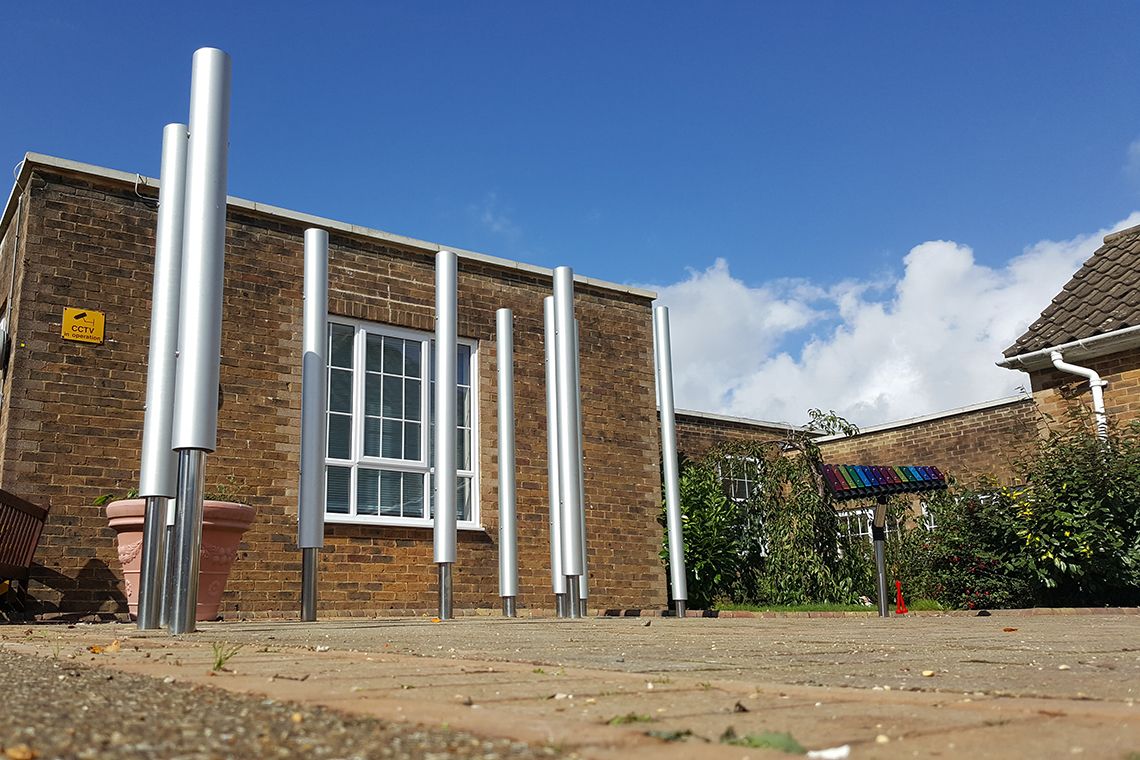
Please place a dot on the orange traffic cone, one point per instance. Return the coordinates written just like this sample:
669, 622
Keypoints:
900, 605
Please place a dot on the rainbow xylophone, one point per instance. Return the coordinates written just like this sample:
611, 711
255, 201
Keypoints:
856, 481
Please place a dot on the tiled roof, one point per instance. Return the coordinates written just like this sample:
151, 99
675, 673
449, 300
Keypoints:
1101, 297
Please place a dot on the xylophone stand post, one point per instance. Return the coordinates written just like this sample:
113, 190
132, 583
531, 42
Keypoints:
879, 537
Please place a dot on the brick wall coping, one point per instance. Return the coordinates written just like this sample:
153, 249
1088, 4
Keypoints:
781, 427
32, 160
1005, 401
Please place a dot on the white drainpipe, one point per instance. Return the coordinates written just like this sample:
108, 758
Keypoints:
1096, 385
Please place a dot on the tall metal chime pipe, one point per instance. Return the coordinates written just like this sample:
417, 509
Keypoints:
158, 481
508, 529
569, 452
584, 579
557, 576
664, 360
446, 346
311, 493
195, 429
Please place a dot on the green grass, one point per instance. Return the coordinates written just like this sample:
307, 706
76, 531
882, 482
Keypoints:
917, 604
778, 740
622, 720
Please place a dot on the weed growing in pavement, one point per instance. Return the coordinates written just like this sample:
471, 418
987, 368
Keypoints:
621, 720
223, 653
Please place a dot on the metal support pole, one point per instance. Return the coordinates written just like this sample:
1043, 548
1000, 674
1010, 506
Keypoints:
879, 537
152, 565
569, 452
446, 345
309, 583
168, 564
445, 610
508, 530
158, 480
195, 429
664, 355
584, 578
311, 493
557, 576
188, 540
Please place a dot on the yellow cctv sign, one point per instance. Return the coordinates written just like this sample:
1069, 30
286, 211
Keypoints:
83, 325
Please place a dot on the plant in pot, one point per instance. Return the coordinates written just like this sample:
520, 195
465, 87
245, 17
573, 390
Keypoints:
224, 521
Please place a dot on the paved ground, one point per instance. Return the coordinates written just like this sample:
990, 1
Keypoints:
999, 686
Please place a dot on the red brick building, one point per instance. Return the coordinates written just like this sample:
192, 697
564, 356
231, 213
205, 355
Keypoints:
75, 235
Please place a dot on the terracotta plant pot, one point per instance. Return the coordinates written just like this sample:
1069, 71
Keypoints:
223, 524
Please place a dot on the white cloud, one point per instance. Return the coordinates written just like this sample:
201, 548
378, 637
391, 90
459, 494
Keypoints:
490, 214
1132, 160
920, 343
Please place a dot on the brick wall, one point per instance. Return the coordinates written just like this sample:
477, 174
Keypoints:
1057, 391
698, 433
965, 444
76, 411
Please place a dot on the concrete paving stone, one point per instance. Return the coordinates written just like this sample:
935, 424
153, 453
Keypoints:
992, 692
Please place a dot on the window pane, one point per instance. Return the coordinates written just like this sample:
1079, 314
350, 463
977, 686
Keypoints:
412, 400
412, 359
337, 480
371, 436
340, 390
367, 491
340, 345
394, 356
411, 440
393, 397
372, 386
463, 498
463, 449
390, 493
463, 370
374, 353
340, 436
463, 406
393, 439
413, 494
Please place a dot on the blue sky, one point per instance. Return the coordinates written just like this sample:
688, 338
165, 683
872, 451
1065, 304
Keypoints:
813, 147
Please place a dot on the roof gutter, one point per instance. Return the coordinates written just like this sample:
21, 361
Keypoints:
1096, 385
1085, 348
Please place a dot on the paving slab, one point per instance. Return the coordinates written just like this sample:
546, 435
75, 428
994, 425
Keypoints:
953, 686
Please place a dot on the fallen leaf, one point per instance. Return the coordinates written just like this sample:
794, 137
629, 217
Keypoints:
739, 708
928, 674
95, 649
296, 717
20, 752
1009, 630
435, 620
113, 646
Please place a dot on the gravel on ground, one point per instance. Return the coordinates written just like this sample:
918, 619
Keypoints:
56, 708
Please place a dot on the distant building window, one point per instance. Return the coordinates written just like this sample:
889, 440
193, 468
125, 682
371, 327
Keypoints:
380, 437
856, 523
741, 477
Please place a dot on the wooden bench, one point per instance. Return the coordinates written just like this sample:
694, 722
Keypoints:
20, 525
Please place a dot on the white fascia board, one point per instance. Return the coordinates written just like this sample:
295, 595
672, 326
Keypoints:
1076, 350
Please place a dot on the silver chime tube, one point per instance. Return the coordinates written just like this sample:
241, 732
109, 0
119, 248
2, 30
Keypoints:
311, 493
508, 528
557, 576
195, 429
584, 579
158, 480
664, 358
446, 345
569, 453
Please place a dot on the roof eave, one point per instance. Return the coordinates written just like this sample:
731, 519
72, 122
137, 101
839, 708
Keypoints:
1076, 350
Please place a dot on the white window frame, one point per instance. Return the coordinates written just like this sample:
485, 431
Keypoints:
362, 329
866, 517
729, 479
